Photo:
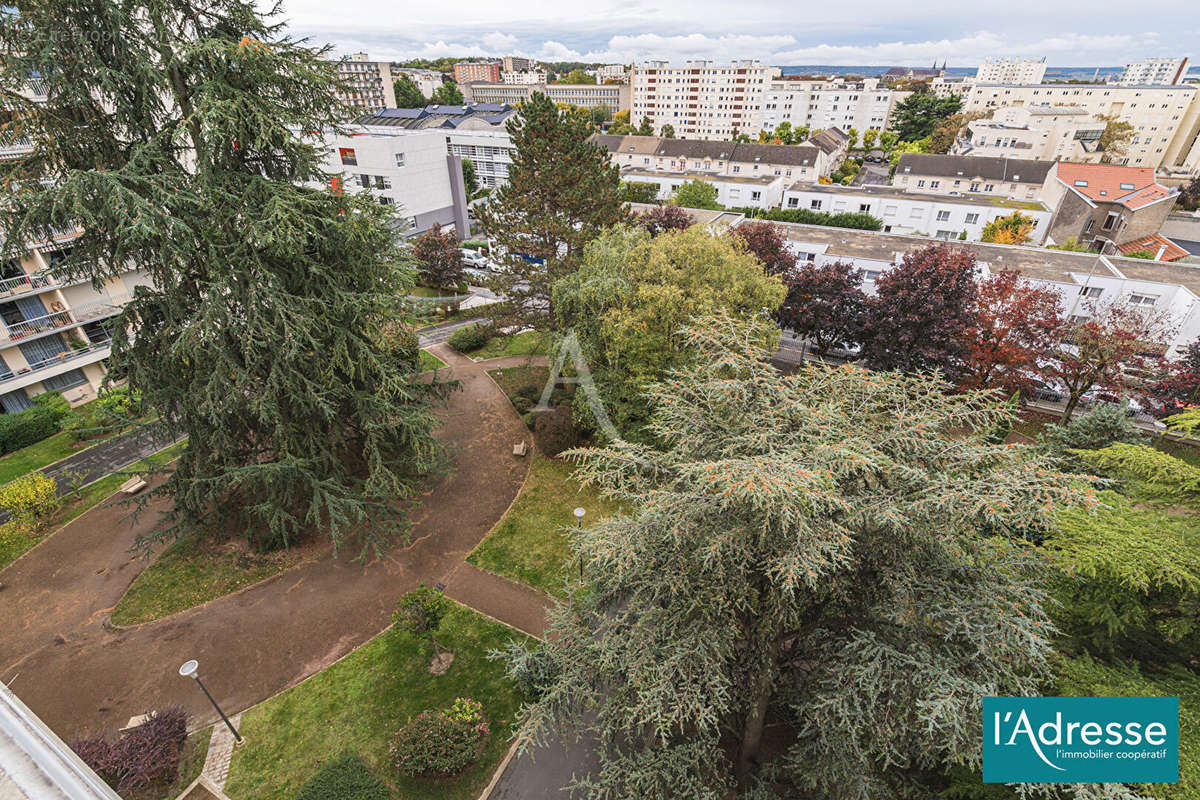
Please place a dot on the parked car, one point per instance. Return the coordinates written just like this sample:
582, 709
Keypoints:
473, 258
1048, 391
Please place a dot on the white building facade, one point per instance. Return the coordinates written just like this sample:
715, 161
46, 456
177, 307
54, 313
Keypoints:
1012, 70
1154, 72
1051, 133
732, 191
612, 72
701, 100
585, 95
368, 83
818, 105
427, 81
522, 78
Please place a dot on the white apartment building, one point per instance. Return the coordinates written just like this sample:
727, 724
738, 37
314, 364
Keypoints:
701, 100
426, 80
1166, 119
584, 95
732, 191
722, 159
612, 72
947, 86
523, 78
940, 217
408, 169
1012, 70
1049, 133
491, 151
1154, 72
819, 105
368, 83
1079, 277
1007, 178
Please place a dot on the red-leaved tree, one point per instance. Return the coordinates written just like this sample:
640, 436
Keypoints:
439, 261
1016, 326
1177, 382
923, 307
661, 219
1098, 350
824, 304
768, 243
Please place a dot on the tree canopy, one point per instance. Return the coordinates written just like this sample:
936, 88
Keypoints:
169, 137
696, 194
837, 551
438, 259
825, 304
918, 114
407, 93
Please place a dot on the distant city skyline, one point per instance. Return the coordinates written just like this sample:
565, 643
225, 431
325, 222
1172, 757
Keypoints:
1070, 33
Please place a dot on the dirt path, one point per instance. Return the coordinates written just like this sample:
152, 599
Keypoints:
77, 674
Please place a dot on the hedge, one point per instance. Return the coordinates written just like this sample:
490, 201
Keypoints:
803, 216
471, 338
38, 422
346, 778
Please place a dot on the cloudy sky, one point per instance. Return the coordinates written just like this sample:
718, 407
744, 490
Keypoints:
867, 32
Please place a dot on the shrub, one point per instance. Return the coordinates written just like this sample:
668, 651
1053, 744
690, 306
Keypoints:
30, 499
554, 431
1094, 430
441, 743
804, 216
42, 419
146, 756
346, 778
117, 407
470, 338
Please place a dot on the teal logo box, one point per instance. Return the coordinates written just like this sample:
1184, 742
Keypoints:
1080, 739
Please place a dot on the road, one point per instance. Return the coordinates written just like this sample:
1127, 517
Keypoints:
436, 334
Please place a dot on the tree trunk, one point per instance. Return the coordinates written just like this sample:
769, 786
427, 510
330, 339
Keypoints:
1072, 402
755, 720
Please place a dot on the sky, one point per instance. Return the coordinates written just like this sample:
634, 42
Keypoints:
866, 32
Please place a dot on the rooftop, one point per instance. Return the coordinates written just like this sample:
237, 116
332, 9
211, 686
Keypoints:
986, 168
900, 194
1132, 187
758, 180
1153, 244
793, 155
438, 116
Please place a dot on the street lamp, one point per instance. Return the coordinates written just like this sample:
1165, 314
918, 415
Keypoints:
190, 669
579, 512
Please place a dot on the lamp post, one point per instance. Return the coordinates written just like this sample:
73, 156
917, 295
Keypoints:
190, 669
579, 512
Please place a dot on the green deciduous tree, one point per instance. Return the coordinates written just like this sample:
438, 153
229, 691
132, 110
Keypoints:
470, 178
601, 113
888, 140
645, 127
831, 551
562, 190
1116, 138
1013, 229
696, 194
407, 93
869, 136
169, 136
639, 191
448, 94
667, 131
633, 295
438, 259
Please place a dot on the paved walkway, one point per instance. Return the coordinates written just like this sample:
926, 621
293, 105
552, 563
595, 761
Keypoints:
436, 334
515, 604
58, 654
220, 753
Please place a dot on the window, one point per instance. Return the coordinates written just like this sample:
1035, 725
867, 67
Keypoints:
864, 208
972, 219
989, 187
756, 195
946, 235
870, 275
13, 402
348, 157
793, 202
943, 216
1091, 223
974, 187
890, 211
934, 184
1111, 220
920, 184
56, 383
382, 182
399, 159
815, 205
1142, 299
364, 181
1091, 291
384, 200
916, 213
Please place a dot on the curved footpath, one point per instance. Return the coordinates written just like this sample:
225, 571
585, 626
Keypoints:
57, 654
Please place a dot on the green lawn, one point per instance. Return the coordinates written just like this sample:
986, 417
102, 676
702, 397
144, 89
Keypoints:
509, 379
192, 571
520, 344
359, 703
191, 762
530, 543
38, 455
430, 361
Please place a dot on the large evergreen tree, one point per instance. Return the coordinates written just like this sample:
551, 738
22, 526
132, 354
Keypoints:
838, 552
168, 136
562, 190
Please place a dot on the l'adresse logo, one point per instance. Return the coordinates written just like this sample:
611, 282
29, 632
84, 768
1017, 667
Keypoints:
1080, 739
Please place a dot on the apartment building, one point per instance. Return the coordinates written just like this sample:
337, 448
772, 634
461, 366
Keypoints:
1011, 70
1079, 277
701, 100
427, 81
941, 217
1166, 119
947, 86
1007, 178
368, 84
720, 159
1154, 72
1105, 206
473, 131
407, 169
1052, 133
612, 72
516, 64
477, 71
733, 191
523, 78
585, 95
818, 104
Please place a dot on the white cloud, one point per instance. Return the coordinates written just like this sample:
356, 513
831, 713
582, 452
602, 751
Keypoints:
498, 42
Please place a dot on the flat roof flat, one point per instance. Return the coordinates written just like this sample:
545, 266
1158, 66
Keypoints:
889, 192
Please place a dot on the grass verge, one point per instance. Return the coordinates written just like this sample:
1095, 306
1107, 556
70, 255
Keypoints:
360, 702
191, 763
519, 344
429, 361
14, 541
531, 544
194, 570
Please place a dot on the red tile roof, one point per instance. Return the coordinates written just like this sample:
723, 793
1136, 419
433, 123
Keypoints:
1152, 244
1132, 187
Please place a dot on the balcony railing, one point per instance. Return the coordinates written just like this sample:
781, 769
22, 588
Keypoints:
25, 283
65, 319
62, 358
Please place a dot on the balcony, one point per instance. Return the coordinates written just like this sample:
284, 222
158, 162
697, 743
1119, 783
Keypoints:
65, 357
22, 284
60, 320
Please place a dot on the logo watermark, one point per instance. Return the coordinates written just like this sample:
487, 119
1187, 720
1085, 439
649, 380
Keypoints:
1080, 739
569, 348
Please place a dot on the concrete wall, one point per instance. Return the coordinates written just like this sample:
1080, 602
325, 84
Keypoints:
1182, 226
